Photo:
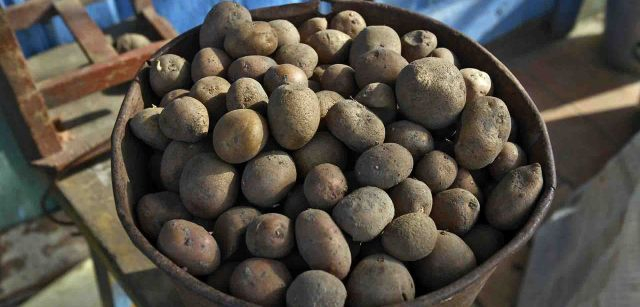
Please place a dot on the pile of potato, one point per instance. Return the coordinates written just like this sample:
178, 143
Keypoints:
329, 164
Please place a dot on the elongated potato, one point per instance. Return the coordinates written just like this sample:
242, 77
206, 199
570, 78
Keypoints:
294, 115
260, 281
354, 125
155, 209
410, 237
450, 259
189, 246
145, 126
321, 243
251, 38
175, 157
378, 65
455, 210
364, 213
384, 165
268, 177
411, 195
316, 288
379, 280
251, 66
230, 228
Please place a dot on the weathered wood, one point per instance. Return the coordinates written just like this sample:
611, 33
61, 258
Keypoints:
161, 25
24, 15
102, 280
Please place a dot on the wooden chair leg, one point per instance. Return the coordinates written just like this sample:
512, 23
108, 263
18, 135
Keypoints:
102, 279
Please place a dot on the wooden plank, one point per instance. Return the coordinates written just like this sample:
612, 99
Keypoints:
91, 39
161, 25
102, 280
24, 15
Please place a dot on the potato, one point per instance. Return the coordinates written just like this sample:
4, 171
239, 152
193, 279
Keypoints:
189, 246
220, 19
212, 92
240, 135
380, 99
445, 54
185, 119
260, 281
316, 288
484, 241
153, 166
285, 31
270, 236
170, 96
511, 201
145, 126
339, 78
455, 210
251, 38
411, 195
268, 177
221, 277
415, 138
464, 180
371, 38
431, 92
251, 66
169, 72
294, 115
437, 169
327, 99
332, 46
364, 213
312, 26
209, 62
175, 157
378, 65
354, 125
484, 128
208, 186
131, 41
247, 93
230, 228
450, 259
379, 280
155, 209
510, 157
323, 148
295, 202
284, 74
324, 186
418, 44
318, 71
315, 86
321, 243
349, 22
300, 55
384, 165
410, 237
478, 83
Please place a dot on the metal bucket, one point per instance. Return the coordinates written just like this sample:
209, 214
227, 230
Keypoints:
129, 155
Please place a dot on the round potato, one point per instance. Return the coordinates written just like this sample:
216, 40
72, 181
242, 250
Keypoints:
510, 157
131, 41
170, 96
373, 37
450, 259
230, 228
384, 165
209, 62
380, 280
251, 38
511, 201
247, 93
284, 74
364, 213
251, 66
378, 65
285, 31
431, 92
324, 186
437, 169
185, 119
295, 202
411, 195
145, 126
268, 177
294, 115
464, 180
189, 246
332, 46
354, 125
260, 281
321, 243
316, 288
208, 186
380, 99
415, 138
318, 71
175, 157
300, 55
323, 148
418, 44
219, 279
349, 22
311, 26
484, 241
155, 209
212, 92
484, 128
410, 237
222, 17
240, 135
270, 236
339, 78
327, 99
455, 210
445, 54
169, 72
478, 83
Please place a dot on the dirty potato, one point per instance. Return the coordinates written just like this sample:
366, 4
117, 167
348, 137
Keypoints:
270, 236
155, 209
455, 210
294, 115
185, 119
260, 281
379, 280
354, 125
247, 93
349, 22
364, 213
300, 55
268, 177
324, 186
437, 169
384, 165
418, 44
230, 228
411, 195
316, 288
410, 237
415, 138
145, 126
189, 246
